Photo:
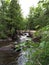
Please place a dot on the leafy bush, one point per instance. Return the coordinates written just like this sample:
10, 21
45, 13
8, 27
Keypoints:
39, 52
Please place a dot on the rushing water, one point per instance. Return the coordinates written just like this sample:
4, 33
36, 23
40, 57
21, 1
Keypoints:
7, 58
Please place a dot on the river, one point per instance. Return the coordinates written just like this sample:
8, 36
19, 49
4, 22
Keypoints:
7, 58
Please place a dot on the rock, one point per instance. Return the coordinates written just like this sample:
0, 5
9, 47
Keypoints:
10, 49
6, 40
37, 39
15, 42
7, 48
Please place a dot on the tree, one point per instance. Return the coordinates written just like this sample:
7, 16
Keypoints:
15, 14
38, 16
10, 16
3, 17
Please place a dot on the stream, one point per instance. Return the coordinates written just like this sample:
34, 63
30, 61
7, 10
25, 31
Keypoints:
11, 58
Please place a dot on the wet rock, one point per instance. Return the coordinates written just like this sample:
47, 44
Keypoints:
10, 49
37, 39
6, 40
7, 48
